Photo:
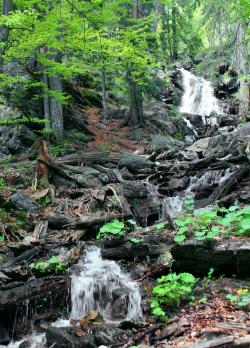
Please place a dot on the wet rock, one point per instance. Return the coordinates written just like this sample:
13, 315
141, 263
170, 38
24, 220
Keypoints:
108, 335
177, 183
25, 344
66, 338
4, 335
223, 68
23, 202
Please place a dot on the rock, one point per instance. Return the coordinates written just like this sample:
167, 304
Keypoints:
134, 189
4, 335
219, 145
226, 257
22, 137
23, 202
109, 335
57, 221
135, 163
66, 338
223, 68
177, 183
25, 344
244, 130
200, 145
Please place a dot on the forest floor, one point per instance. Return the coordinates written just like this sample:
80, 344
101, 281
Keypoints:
68, 197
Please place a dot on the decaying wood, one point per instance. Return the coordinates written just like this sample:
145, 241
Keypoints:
32, 289
223, 342
41, 229
98, 220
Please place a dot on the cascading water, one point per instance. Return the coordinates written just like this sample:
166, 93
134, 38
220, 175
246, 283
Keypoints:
97, 285
101, 285
171, 206
198, 97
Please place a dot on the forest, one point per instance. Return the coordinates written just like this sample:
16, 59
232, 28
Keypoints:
124, 173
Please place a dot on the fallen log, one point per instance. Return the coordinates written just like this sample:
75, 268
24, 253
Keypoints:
223, 342
31, 290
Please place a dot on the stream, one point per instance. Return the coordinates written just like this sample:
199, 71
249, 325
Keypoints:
101, 285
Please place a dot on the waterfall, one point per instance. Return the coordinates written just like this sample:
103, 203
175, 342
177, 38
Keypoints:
173, 205
97, 285
101, 285
198, 97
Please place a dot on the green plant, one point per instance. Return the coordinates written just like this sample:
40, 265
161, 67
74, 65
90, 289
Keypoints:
188, 204
171, 291
3, 183
114, 228
241, 298
44, 201
53, 264
6, 162
209, 224
136, 240
160, 226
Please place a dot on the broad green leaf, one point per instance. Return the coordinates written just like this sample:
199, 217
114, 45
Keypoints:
179, 239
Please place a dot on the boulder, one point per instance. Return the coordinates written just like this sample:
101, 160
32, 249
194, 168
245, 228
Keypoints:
23, 202
65, 337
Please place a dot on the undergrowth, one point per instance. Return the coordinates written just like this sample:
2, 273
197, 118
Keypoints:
208, 224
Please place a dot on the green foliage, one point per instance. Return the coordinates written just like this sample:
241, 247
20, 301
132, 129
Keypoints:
241, 298
210, 224
160, 226
171, 291
114, 228
6, 161
50, 265
3, 183
44, 201
136, 240
188, 204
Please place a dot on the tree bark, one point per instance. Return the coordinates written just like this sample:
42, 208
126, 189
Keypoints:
104, 95
174, 30
135, 115
56, 108
4, 31
242, 65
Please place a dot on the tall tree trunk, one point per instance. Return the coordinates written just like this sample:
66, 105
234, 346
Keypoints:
104, 95
174, 30
56, 108
242, 65
135, 115
4, 31
157, 12
46, 105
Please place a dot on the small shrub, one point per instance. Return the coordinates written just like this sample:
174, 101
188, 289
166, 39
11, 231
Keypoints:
53, 264
209, 224
114, 228
241, 298
171, 291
